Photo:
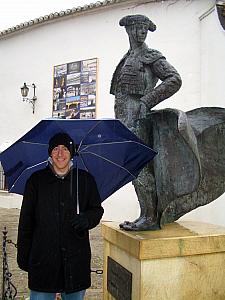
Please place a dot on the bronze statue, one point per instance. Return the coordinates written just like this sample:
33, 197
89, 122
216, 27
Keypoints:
178, 180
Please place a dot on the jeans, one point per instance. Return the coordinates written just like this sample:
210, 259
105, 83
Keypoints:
51, 296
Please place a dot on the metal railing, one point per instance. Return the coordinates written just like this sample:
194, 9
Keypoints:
9, 290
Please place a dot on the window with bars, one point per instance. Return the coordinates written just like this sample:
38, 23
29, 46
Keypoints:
2, 179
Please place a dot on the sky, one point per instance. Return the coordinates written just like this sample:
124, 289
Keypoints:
14, 12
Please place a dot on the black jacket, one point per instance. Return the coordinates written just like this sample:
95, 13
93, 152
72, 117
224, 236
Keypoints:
56, 257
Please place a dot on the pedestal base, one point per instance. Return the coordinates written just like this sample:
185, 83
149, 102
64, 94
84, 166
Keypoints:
183, 261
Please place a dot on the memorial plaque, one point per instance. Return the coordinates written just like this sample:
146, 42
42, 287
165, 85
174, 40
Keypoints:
119, 280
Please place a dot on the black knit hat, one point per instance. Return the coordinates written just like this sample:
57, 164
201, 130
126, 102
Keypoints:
61, 138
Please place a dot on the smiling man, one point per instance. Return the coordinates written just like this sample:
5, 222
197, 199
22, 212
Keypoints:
53, 239
61, 149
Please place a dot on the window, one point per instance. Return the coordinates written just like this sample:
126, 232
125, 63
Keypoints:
2, 179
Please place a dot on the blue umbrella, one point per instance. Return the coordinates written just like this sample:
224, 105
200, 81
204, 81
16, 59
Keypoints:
105, 148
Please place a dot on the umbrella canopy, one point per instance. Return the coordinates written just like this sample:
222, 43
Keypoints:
105, 148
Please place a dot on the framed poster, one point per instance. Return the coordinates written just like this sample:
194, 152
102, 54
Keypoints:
74, 90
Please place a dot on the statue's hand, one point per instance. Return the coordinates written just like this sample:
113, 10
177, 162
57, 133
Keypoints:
143, 110
148, 101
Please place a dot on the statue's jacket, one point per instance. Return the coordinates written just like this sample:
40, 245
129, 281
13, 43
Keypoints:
133, 75
138, 73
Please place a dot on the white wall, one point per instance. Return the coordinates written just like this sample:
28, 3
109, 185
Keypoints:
186, 41
212, 61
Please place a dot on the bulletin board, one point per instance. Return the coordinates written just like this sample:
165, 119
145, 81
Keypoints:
74, 89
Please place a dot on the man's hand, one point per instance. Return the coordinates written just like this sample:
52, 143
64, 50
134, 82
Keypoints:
79, 222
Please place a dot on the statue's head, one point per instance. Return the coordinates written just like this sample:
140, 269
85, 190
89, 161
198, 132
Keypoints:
137, 26
137, 20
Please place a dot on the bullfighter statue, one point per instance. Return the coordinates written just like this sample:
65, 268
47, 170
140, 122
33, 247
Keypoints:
189, 169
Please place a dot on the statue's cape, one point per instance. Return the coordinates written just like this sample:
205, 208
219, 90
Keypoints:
147, 56
190, 167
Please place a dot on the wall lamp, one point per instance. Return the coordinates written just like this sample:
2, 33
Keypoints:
25, 91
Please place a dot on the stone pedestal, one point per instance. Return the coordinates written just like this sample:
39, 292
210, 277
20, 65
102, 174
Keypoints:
183, 261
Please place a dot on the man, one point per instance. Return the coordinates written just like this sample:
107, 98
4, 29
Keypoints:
134, 85
53, 239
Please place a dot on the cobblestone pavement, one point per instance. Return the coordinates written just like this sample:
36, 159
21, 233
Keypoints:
9, 218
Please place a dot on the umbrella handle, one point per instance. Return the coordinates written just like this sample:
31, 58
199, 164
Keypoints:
77, 190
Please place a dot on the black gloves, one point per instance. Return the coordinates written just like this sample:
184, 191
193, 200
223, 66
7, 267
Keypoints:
79, 222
